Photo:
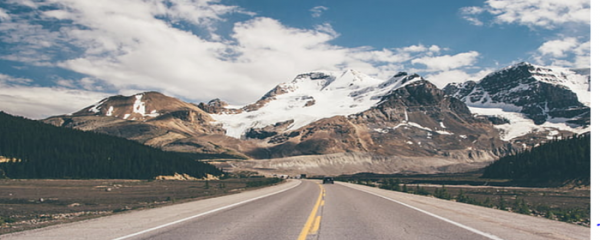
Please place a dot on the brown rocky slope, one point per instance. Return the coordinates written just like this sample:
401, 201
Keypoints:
414, 129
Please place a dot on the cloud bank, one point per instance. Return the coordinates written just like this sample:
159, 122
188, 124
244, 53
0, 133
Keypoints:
181, 48
571, 18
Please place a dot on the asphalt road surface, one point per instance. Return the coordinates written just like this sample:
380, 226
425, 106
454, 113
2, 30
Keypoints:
311, 210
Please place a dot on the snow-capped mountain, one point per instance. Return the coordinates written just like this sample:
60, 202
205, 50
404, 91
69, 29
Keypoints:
139, 107
150, 118
307, 98
352, 122
526, 98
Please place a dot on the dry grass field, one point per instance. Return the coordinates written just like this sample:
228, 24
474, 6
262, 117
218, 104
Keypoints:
27, 204
570, 203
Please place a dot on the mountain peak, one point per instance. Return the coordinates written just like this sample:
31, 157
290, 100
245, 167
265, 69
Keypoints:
532, 96
140, 106
400, 74
521, 64
312, 96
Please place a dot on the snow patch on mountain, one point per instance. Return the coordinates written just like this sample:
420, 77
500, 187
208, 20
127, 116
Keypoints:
416, 125
138, 105
500, 99
97, 106
519, 125
487, 102
110, 111
313, 96
576, 80
578, 83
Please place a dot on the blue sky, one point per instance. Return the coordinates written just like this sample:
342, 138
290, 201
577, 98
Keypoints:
58, 56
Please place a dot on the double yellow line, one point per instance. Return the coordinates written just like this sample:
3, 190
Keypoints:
313, 222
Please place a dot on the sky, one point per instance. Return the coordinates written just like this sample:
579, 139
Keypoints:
59, 56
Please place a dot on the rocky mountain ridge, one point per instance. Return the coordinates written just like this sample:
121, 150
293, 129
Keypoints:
318, 114
529, 98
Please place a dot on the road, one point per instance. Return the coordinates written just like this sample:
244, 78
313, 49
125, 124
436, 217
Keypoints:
310, 210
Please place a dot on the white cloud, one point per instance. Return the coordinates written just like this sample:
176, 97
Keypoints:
447, 62
415, 48
570, 20
318, 11
559, 52
6, 79
41, 102
28, 3
583, 55
470, 14
533, 13
385, 55
434, 49
137, 46
558, 48
26, 41
4, 15
443, 78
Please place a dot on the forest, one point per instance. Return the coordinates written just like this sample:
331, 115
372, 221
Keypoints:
556, 161
31, 149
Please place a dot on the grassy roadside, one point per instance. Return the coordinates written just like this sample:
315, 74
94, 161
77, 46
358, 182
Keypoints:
29, 204
568, 204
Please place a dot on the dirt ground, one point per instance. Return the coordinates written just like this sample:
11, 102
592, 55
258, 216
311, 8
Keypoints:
27, 204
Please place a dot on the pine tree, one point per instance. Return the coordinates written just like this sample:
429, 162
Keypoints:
43, 151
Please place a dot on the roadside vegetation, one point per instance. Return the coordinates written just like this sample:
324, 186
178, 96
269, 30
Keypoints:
562, 204
550, 181
34, 203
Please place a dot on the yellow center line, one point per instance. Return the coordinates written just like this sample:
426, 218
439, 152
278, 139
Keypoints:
312, 223
315, 226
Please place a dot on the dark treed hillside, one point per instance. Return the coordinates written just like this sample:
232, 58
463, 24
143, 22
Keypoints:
554, 162
31, 149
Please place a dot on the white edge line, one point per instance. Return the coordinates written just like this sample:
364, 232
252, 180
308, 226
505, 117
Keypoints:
436, 216
204, 213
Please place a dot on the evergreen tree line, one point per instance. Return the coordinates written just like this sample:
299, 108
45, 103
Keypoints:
553, 162
32, 149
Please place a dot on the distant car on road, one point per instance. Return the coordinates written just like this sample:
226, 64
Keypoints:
328, 180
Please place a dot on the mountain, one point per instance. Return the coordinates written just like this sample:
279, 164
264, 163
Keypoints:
525, 98
328, 122
307, 98
321, 113
31, 149
405, 124
156, 120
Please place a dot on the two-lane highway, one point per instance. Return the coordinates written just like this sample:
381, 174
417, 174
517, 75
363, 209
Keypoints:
279, 216
311, 210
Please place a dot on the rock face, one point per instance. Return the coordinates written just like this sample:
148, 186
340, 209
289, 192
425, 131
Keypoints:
153, 119
321, 119
537, 92
428, 122
554, 100
416, 120
216, 106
